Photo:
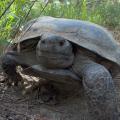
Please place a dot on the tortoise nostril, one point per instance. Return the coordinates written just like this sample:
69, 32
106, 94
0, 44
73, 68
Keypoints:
43, 42
61, 43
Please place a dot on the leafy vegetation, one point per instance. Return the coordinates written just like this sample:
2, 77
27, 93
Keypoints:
14, 13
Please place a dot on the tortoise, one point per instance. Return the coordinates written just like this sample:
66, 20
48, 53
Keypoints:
68, 50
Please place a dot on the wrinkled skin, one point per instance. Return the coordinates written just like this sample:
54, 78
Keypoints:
56, 53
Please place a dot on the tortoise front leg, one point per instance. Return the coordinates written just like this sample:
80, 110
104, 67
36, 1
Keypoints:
99, 90
9, 64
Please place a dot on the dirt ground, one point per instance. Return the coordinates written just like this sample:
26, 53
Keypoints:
72, 105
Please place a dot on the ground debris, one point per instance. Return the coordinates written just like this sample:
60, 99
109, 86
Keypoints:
15, 106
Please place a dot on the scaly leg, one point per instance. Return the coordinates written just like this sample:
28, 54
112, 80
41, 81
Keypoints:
99, 89
9, 68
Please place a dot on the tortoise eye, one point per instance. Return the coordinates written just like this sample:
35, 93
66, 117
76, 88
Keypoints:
61, 43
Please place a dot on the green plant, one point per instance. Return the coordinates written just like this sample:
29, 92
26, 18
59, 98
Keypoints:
12, 17
110, 14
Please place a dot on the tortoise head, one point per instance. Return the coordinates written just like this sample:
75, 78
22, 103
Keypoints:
54, 52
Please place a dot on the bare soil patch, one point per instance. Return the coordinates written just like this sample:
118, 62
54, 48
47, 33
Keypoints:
72, 106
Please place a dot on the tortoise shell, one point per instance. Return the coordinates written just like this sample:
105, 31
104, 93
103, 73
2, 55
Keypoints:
83, 33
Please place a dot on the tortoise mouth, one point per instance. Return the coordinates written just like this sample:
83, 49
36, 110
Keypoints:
55, 60
53, 55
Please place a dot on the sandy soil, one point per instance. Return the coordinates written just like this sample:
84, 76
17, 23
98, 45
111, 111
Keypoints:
16, 106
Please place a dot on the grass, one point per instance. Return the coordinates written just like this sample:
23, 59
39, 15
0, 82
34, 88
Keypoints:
106, 13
